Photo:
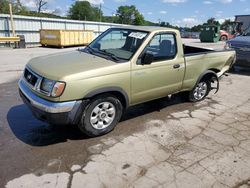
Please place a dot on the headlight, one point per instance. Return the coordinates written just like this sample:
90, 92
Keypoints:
47, 85
228, 46
52, 88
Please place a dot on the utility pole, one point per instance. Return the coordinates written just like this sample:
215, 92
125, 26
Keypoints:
12, 21
100, 12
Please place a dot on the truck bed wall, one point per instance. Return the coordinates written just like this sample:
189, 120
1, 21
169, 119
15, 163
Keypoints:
194, 50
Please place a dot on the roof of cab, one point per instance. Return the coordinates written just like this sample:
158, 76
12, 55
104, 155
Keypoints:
148, 28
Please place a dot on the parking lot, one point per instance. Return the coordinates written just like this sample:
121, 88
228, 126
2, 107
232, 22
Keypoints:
163, 143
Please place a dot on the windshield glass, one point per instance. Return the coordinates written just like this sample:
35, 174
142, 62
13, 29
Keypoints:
118, 43
247, 32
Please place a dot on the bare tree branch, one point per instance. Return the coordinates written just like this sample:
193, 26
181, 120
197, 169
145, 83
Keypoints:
41, 5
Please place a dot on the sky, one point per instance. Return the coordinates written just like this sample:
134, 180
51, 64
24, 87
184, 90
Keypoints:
177, 12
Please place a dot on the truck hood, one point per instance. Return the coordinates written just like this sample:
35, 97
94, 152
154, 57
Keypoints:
241, 40
63, 66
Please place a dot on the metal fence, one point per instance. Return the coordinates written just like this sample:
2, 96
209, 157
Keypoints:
193, 35
30, 26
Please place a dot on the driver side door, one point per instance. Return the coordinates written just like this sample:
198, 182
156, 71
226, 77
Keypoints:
163, 76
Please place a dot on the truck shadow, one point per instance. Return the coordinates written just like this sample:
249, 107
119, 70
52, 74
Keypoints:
151, 106
37, 133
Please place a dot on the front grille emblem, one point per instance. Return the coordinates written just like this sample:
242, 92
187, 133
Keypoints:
29, 77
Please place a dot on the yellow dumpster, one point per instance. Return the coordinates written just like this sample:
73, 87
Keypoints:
61, 38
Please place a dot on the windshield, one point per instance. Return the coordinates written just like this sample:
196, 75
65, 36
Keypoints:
118, 43
246, 32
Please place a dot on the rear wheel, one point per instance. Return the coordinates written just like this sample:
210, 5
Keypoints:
200, 91
101, 115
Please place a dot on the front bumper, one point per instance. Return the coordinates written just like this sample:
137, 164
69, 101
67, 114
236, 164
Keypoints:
52, 112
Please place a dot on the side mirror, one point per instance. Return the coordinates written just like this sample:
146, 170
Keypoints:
147, 59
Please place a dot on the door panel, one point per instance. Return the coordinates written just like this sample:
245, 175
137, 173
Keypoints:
163, 76
156, 80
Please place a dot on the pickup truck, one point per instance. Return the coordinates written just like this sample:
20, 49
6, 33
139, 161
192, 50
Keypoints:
124, 66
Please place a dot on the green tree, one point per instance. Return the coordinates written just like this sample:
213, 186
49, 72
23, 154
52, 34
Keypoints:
129, 15
82, 10
212, 21
196, 28
110, 19
149, 23
17, 8
166, 24
4, 8
139, 19
228, 25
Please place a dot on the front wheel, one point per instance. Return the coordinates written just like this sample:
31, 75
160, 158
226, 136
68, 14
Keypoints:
200, 91
101, 115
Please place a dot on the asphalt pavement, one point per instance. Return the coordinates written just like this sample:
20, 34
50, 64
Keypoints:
162, 143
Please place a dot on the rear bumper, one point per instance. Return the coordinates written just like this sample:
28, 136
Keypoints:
52, 112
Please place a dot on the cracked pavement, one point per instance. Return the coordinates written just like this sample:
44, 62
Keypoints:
163, 143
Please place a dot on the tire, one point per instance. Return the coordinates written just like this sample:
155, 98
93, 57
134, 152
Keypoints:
101, 115
223, 38
200, 91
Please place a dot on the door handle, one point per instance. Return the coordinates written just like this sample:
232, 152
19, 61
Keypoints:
176, 66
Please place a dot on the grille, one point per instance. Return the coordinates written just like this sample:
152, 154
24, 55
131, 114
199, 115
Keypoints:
30, 77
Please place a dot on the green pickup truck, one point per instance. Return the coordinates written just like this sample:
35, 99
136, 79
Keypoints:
124, 66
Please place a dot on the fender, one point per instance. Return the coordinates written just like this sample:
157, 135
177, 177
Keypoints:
214, 78
109, 89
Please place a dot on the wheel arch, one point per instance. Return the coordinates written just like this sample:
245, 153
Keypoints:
116, 91
209, 75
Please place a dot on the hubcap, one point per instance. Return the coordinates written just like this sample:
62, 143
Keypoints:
102, 115
200, 91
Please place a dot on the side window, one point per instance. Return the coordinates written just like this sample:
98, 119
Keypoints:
162, 46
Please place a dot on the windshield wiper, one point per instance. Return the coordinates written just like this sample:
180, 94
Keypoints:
114, 57
104, 52
94, 52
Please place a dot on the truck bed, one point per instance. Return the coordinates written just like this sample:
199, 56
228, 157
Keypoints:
200, 60
209, 57
189, 50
